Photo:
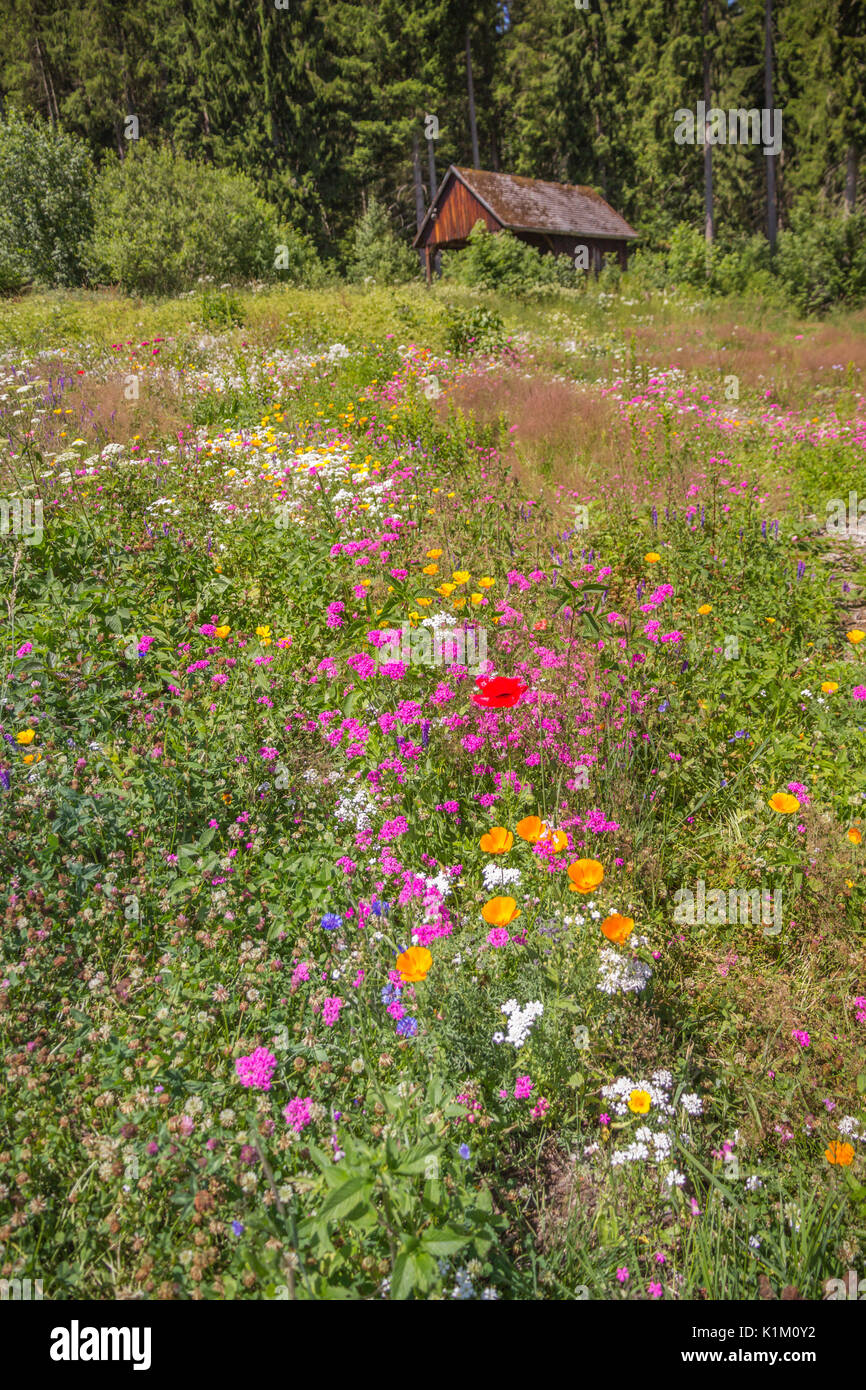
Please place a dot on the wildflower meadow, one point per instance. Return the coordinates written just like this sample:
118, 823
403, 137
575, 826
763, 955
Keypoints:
433, 792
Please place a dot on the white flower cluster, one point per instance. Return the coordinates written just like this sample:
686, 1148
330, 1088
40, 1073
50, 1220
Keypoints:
658, 1091
437, 620
651, 1141
622, 973
852, 1129
497, 876
357, 806
441, 883
520, 1021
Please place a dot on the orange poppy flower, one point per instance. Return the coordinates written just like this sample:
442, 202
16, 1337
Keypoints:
843, 1154
854, 835
497, 841
414, 964
557, 838
585, 874
617, 928
530, 828
784, 803
499, 912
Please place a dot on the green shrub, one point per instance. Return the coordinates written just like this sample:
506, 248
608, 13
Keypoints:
163, 222
220, 309
46, 179
474, 330
499, 261
375, 253
821, 260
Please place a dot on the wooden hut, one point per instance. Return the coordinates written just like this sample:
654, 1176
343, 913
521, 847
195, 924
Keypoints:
553, 217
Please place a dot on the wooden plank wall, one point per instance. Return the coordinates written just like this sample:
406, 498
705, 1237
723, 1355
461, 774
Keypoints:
456, 215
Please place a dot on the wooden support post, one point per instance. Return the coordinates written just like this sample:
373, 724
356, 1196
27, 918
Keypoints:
427, 262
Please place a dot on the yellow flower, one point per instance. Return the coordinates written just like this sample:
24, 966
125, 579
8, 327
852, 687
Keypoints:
430, 569
842, 1154
652, 557
222, 631
617, 928
424, 602
855, 635
26, 736
31, 757
784, 803
434, 554
829, 687
705, 608
486, 582
460, 576
414, 964
459, 603
476, 598
557, 838
854, 835
640, 1102
446, 589
497, 841
499, 912
585, 875
530, 828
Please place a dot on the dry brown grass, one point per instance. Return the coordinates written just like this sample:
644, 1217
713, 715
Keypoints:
100, 411
794, 367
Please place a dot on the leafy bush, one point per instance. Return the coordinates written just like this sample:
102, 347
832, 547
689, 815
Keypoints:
499, 261
163, 222
474, 330
221, 310
46, 179
821, 261
375, 253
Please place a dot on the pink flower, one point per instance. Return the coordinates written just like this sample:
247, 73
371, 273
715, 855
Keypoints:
800, 1036
654, 1289
859, 692
331, 1010
622, 1275
257, 1069
522, 1088
498, 937
297, 1113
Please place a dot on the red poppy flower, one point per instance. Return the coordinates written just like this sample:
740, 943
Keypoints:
500, 693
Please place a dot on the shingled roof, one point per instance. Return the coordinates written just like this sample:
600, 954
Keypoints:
533, 205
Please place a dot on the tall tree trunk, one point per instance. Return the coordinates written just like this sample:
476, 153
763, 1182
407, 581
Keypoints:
419, 189
51, 116
768, 102
852, 169
473, 129
431, 157
709, 227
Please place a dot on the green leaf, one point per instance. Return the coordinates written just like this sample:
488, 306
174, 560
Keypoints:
413, 1270
444, 1241
350, 1197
